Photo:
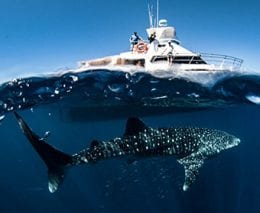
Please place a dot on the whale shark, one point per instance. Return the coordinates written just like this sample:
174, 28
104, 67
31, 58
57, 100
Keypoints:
191, 146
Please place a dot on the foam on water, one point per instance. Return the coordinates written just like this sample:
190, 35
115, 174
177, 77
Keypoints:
131, 87
254, 99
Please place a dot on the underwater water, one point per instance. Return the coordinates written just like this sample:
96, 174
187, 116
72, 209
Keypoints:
79, 107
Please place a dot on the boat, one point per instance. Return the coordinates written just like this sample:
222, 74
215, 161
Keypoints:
164, 53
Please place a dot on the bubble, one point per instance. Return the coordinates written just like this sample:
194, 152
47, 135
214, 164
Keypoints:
74, 78
2, 117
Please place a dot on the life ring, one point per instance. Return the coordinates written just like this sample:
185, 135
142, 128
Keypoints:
141, 47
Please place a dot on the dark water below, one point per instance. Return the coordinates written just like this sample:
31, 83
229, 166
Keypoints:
93, 109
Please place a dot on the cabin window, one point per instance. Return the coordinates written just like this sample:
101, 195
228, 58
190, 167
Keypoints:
180, 59
159, 58
161, 45
188, 60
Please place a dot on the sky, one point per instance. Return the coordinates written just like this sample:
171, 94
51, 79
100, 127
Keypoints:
39, 36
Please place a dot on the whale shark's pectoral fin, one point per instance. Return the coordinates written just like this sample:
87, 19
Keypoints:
133, 126
191, 164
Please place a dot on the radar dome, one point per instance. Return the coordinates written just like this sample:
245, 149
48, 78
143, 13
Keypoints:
163, 23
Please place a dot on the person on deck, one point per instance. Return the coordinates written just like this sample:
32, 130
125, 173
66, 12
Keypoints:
152, 37
154, 43
134, 40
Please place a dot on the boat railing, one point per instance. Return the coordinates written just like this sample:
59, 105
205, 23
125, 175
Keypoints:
215, 60
222, 61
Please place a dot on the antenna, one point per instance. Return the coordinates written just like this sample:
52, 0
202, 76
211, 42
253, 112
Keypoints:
157, 19
150, 13
154, 21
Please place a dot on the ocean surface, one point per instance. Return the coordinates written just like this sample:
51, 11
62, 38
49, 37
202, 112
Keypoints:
77, 107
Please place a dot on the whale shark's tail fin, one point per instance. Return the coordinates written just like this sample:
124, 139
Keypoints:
55, 160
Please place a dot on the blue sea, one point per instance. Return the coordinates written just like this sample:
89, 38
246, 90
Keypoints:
77, 107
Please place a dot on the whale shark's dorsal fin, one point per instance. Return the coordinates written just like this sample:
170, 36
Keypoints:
94, 144
133, 126
191, 164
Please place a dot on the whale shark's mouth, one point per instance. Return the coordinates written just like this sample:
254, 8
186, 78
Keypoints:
235, 142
